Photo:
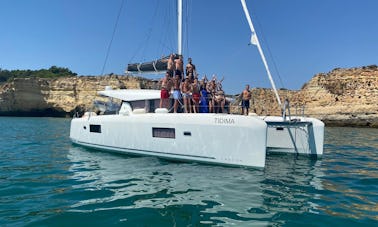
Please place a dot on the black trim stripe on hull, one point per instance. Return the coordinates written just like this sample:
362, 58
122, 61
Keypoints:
131, 149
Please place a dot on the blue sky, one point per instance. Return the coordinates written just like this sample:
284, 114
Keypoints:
300, 37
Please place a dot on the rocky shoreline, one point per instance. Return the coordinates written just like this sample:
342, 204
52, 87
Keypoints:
342, 97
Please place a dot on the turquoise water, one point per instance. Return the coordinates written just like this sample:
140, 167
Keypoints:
46, 181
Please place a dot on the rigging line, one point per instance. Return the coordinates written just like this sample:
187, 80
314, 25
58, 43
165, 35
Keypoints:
153, 20
186, 27
164, 31
170, 49
269, 51
111, 40
187, 19
166, 40
144, 42
170, 28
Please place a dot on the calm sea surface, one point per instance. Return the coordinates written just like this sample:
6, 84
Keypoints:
46, 181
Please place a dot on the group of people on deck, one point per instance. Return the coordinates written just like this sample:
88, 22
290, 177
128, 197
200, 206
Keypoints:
198, 96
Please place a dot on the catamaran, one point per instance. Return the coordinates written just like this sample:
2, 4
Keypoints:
140, 128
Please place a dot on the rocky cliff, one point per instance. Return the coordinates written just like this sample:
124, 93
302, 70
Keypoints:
60, 96
343, 97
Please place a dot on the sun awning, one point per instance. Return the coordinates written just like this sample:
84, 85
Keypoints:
131, 94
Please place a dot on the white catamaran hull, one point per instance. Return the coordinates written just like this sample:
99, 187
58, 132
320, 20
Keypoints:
211, 138
301, 135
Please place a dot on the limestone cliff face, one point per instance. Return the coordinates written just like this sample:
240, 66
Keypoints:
349, 96
343, 97
60, 96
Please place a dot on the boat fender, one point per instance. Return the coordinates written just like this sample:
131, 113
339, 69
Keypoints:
161, 110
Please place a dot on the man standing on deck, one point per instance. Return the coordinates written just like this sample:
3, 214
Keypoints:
179, 65
186, 90
171, 65
166, 85
196, 95
190, 70
176, 92
246, 96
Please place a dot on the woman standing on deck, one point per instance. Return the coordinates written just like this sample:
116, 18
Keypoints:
204, 105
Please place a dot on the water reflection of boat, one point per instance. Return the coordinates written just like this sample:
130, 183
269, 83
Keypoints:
292, 185
216, 194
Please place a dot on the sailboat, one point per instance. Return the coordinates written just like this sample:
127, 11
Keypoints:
237, 140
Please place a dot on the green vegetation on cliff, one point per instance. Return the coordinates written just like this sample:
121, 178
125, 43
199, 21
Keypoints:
52, 72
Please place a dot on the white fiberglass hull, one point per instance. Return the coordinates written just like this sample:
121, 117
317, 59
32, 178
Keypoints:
301, 135
211, 138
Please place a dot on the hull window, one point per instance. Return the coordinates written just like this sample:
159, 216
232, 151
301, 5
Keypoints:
95, 128
164, 133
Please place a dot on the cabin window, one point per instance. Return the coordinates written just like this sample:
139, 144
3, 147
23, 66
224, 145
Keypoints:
164, 133
95, 128
149, 105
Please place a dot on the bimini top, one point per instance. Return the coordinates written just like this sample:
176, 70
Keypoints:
131, 94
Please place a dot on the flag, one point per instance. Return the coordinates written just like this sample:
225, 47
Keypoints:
254, 39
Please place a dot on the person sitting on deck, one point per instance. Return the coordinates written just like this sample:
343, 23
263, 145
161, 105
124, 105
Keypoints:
246, 96
166, 85
186, 90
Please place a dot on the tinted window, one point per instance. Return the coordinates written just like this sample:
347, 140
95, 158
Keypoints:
95, 128
164, 133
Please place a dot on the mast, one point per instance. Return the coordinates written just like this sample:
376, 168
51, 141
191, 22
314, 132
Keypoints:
255, 41
179, 27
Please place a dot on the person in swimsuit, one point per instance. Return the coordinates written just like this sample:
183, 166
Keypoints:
195, 95
171, 65
166, 85
190, 70
186, 90
220, 99
211, 89
246, 96
176, 92
179, 65
204, 105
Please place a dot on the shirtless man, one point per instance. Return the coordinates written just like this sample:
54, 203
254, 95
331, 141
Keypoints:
166, 85
246, 96
190, 70
186, 90
171, 65
179, 66
176, 92
196, 95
